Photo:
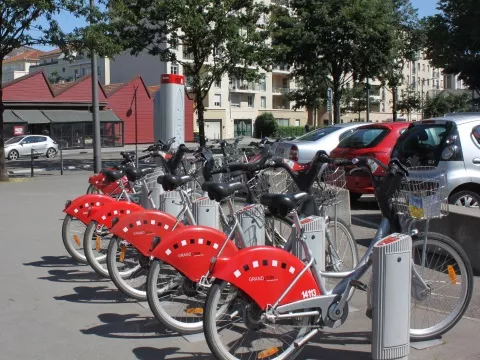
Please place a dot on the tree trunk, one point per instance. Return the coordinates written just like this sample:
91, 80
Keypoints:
394, 104
336, 104
200, 112
3, 168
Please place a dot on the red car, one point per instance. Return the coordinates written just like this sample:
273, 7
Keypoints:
374, 140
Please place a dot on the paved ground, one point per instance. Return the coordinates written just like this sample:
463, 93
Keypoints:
52, 308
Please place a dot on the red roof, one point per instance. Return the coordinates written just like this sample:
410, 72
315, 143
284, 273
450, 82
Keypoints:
110, 89
27, 55
153, 89
51, 52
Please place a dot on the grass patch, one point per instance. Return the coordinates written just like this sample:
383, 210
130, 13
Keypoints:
13, 180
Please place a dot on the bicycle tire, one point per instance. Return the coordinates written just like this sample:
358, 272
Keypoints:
214, 339
92, 259
451, 247
75, 254
116, 275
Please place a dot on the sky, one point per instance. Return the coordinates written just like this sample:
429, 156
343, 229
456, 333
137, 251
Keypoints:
69, 22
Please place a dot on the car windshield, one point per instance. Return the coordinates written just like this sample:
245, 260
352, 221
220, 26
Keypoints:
14, 140
364, 138
317, 134
422, 144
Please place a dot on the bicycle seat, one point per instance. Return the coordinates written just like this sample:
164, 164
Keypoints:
172, 182
283, 203
219, 191
134, 174
113, 175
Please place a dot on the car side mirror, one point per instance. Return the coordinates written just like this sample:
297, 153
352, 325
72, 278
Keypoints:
22, 143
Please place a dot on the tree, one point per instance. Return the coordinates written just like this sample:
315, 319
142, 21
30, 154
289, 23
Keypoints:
445, 102
18, 18
409, 102
409, 39
265, 125
334, 40
453, 40
355, 100
217, 37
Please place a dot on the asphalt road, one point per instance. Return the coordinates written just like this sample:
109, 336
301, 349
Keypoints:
50, 307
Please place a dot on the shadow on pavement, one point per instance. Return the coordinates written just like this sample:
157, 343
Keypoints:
73, 276
148, 353
369, 203
95, 295
129, 326
54, 261
315, 349
371, 218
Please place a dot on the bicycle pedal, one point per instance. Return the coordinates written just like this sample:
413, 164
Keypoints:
359, 285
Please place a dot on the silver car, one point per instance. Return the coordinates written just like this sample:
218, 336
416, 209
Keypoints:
303, 149
18, 146
452, 143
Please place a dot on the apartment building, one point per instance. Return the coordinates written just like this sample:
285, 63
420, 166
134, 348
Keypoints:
59, 69
18, 63
419, 76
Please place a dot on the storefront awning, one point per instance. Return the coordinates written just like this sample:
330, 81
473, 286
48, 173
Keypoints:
32, 116
10, 118
78, 116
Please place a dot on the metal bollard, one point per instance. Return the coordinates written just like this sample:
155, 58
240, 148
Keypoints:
31, 162
61, 161
392, 273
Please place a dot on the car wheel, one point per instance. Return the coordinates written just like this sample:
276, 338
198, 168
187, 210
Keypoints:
51, 153
13, 155
354, 196
465, 198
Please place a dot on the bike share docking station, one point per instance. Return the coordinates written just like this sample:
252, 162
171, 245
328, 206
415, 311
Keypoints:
391, 294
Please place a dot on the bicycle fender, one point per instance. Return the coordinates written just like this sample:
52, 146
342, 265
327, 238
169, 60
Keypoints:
98, 180
264, 273
104, 214
191, 249
140, 227
81, 207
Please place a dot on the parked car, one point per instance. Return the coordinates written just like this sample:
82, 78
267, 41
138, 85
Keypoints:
452, 143
303, 148
375, 140
18, 146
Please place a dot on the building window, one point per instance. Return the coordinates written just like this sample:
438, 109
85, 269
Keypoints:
218, 84
263, 83
297, 122
423, 67
282, 122
428, 82
63, 70
217, 102
250, 101
174, 69
263, 102
235, 100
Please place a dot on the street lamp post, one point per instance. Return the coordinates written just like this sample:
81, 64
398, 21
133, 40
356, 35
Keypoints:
97, 152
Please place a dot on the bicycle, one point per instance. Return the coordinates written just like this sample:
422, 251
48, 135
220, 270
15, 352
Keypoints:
268, 289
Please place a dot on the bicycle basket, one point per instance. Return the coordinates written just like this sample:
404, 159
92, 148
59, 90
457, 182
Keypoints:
423, 194
328, 185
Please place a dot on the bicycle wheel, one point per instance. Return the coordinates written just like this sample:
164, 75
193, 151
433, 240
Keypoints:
176, 301
238, 331
95, 245
92, 190
73, 231
127, 268
341, 251
449, 277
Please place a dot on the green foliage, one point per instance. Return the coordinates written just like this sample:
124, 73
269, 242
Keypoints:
445, 102
409, 39
334, 41
454, 40
219, 36
355, 99
265, 125
288, 131
409, 102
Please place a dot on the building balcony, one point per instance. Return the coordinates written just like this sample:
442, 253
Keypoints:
187, 56
44, 64
280, 90
244, 87
281, 68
